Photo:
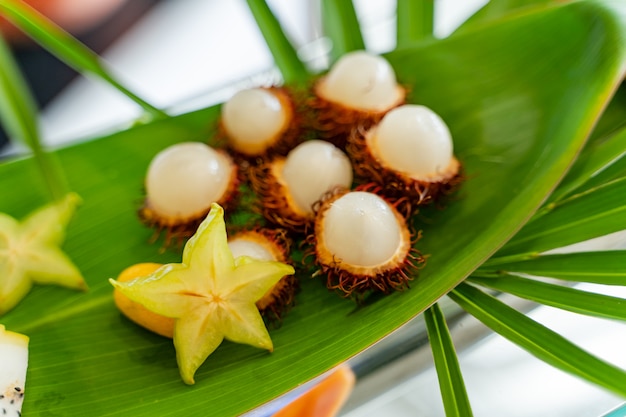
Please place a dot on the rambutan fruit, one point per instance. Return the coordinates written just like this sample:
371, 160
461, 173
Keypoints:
409, 154
357, 91
362, 243
260, 122
182, 182
289, 187
268, 245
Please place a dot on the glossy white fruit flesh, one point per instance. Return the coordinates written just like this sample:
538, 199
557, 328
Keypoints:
13, 365
361, 229
413, 139
363, 81
184, 179
245, 247
312, 169
253, 120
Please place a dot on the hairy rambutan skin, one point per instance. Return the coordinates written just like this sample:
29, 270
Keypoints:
288, 187
177, 229
279, 300
397, 185
289, 136
274, 201
353, 281
335, 122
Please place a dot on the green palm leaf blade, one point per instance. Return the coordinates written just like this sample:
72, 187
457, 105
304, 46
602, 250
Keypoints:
453, 393
602, 267
341, 25
596, 213
565, 298
612, 118
538, 340
517, 123
18, 114
67, 48
415, 20
602, 161
285, 55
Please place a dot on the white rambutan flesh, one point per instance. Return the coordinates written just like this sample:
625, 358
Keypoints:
184, 179
13, 365
314, 168
414, 140
360, 229
363, 81
267, 245
244, 247
254, 119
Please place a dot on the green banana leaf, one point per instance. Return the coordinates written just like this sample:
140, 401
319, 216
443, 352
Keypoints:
520, 96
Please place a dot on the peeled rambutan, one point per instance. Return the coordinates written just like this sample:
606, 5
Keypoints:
289, 187
408, 154
258, 123
362, 243
268, 245
357, 91
182, 182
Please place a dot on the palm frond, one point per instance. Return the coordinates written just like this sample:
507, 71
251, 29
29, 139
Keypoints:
67, 48
455, 399
18, 114
414, 20
538, 340
341, 26
283, 51
559, 296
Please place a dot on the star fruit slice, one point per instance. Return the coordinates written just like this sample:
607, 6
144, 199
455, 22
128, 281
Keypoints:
210, 295
13, 364
30, 252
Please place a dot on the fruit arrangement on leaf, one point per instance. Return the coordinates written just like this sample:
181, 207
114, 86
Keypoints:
359, 240
518, 126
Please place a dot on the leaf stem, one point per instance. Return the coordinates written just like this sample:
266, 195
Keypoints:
415, 20
341, 25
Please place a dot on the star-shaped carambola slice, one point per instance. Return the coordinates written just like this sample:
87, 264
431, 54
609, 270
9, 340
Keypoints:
210, 295
30, 253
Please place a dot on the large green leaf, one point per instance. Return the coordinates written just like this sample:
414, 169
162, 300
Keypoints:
518, 123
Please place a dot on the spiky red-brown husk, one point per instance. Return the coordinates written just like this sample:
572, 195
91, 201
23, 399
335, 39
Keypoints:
288, 138
274, 200
354, 281
177, 229
334, 122
396, 185
281, 297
